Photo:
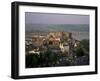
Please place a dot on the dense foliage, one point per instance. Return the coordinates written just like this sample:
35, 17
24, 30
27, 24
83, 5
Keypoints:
80, 56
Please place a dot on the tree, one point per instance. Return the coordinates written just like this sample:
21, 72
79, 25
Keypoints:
32, 60
79, 52
85, 44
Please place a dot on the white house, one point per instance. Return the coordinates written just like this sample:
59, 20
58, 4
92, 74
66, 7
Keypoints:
64, 48
33, 52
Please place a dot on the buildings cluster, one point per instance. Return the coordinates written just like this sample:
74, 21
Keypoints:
57, 42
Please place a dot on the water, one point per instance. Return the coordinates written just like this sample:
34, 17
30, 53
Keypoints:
79, 31
80, 35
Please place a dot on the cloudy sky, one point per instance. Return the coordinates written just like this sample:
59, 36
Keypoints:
47, 18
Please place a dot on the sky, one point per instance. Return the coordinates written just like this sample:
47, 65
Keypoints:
50, 18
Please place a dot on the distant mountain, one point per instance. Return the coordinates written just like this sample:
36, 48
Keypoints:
57, 27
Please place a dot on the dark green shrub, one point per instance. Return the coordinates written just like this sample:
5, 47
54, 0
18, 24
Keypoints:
79, 52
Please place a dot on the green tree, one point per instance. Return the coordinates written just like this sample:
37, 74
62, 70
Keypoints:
85, 44
79, 52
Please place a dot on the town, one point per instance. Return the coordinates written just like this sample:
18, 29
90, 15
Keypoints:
54, 49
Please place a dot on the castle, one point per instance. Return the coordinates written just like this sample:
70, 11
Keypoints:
57, 41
